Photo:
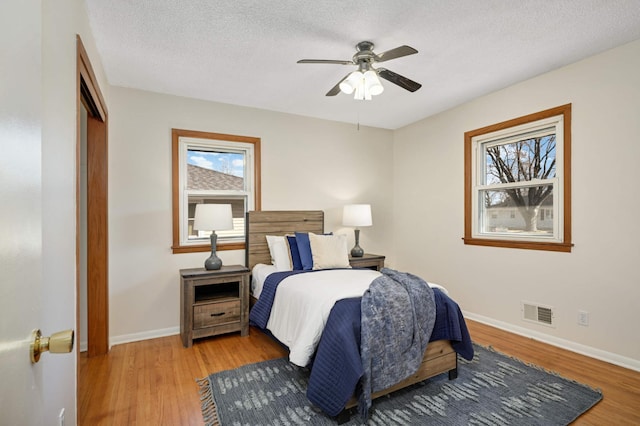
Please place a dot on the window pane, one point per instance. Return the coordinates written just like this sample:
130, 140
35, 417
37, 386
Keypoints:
524, 160
211, 170
518, 211
237, 210
212, 167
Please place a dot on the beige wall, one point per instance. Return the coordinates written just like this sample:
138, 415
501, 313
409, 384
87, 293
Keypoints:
306, 164
601, 275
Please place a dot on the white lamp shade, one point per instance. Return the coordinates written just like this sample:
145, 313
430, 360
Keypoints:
357, 215
213, 217
352, 82
372, 83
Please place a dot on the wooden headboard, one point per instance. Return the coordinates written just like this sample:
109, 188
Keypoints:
282, 222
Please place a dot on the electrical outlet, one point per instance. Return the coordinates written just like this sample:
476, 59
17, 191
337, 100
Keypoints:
583, 318
61, 417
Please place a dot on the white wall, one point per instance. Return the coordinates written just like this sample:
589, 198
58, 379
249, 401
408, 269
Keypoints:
306, 164
601, 275
61, 21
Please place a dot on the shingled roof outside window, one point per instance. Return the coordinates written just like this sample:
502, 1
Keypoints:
200, 178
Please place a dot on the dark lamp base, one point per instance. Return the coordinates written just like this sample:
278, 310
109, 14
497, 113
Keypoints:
213, 263
357, 252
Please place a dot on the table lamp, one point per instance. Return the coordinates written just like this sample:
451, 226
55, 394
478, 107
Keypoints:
212, 217
357, 215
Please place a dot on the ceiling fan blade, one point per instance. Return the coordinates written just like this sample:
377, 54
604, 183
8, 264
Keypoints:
398, 52
336, 89
324, 61
401, 81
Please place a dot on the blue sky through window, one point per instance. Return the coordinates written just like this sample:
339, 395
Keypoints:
225, 162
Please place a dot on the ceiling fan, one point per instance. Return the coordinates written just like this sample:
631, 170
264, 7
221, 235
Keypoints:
365, 82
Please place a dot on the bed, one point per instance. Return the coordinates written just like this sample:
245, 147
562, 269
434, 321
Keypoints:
439, 357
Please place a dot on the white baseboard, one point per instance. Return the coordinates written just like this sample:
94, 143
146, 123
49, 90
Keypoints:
609, 357
589, 351
144, 335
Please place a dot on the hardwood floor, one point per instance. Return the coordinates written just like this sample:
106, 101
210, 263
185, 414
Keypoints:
153, 382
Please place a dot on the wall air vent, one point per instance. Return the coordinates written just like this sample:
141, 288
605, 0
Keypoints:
537, 313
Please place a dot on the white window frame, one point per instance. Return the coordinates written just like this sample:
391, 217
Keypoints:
213, 145
183, 141
557, 120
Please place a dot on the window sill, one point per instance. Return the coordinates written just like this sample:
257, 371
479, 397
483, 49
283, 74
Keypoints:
527, 245
207, 247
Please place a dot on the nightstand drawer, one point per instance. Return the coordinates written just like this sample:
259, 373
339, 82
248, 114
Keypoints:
369, 261
218, 313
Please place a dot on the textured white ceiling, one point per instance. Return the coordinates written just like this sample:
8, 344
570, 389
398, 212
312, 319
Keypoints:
244, 52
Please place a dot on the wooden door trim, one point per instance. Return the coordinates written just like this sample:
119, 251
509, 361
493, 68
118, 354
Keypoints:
88, 94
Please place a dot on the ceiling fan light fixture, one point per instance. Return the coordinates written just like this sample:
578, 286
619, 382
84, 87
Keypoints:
358, 93
372, 83
361, 93
351, 83
347, 88
362, 85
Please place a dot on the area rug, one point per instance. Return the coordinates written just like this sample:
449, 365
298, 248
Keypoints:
492, 389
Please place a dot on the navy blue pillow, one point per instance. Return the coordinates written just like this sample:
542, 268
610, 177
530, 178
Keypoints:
304, 248
295, 254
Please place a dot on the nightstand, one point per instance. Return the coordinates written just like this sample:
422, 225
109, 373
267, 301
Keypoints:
213, 302
369, 261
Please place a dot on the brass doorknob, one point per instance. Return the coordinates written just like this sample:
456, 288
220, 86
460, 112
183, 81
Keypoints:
59, 343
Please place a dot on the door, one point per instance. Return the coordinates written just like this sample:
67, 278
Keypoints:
21, 399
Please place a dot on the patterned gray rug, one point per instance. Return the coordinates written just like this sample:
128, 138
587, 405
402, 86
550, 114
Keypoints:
492, 389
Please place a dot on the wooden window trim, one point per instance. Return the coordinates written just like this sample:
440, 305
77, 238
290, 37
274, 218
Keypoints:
566, 244
176, 134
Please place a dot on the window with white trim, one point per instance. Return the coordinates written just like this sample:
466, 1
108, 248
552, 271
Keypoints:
517, 182
213, 168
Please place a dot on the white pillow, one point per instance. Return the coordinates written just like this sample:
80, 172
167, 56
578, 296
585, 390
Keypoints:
329, 251
279, 250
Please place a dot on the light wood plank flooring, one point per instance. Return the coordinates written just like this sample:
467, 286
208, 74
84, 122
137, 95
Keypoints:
153, 382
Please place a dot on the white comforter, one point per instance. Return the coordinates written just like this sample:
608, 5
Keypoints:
302, 304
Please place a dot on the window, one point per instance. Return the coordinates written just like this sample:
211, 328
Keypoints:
213, 168
518, 183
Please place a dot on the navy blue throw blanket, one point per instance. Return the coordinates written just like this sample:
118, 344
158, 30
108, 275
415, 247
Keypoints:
337, 367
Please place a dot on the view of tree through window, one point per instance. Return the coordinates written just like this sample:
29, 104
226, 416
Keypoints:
523, 161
